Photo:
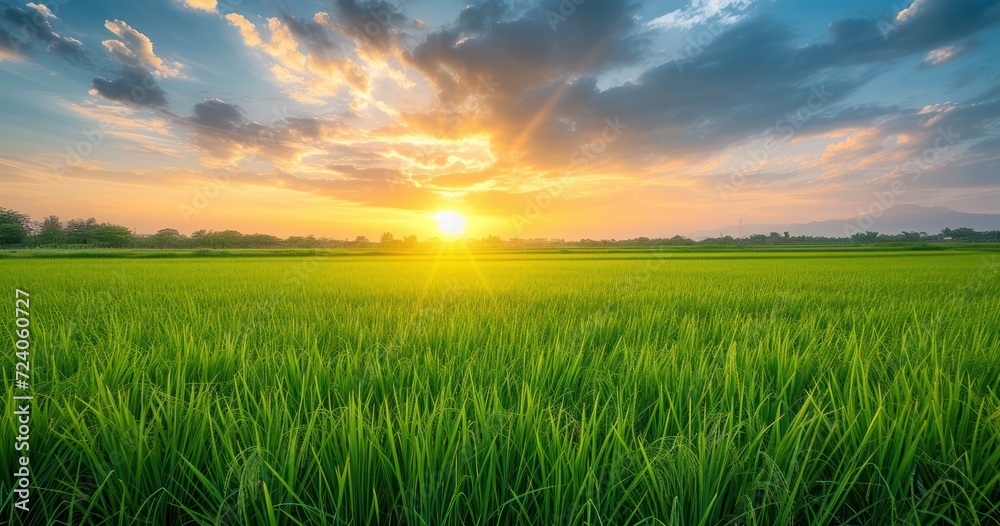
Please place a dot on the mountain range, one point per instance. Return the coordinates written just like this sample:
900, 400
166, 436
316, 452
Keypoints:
913, 218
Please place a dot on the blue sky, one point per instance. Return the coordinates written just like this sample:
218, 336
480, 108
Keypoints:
534, 119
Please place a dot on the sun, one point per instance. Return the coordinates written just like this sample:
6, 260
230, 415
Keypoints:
450, 223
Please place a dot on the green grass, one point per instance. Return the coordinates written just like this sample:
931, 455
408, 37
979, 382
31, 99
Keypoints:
658, 388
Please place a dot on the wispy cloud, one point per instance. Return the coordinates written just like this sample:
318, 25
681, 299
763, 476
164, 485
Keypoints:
698, 12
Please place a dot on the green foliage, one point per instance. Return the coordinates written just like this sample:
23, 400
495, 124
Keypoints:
79, 233
12, 234
840, 387
13, 227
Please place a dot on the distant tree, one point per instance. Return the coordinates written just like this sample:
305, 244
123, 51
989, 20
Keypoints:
786, 235
962, 233
410, 241
260, 241
165, 238
223, 239
76, 225
110, 236
12, 234
386, 238
492, 241
50, 232
302, 242
866, 237
361, 240
51, 223
13, 227
78, 231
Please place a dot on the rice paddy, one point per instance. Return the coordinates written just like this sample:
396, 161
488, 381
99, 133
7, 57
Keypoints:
553, 389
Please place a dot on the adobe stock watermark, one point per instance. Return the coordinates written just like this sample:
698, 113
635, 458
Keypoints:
381, 21
33, 23
202, 197
562, 12
993, 126
986, 273
485, 88
913, 169
589, 152
695, 45
775, 138
21, 408
581, 157
94, 136
538, 203
227, 6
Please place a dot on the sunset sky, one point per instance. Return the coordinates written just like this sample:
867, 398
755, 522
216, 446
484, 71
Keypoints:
580, 118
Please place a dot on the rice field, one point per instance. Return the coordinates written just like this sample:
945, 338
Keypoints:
646, 388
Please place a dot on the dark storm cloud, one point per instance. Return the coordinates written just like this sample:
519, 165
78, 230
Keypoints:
133, 86
33, 25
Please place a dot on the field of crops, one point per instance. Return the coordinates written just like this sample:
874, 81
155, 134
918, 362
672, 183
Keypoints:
648, 388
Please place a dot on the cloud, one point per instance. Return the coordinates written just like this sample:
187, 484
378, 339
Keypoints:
246, 29
698, 12
927, 24
313, 34
314, 74
374, 25
514, 102
134, 86
209, 6
946, 54
219, 114
10, 46
135, 50
546, 102
524, 52
33, 24
138, 69
753, 77
224, 133
909, 13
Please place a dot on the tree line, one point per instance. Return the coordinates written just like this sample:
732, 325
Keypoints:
18, 230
